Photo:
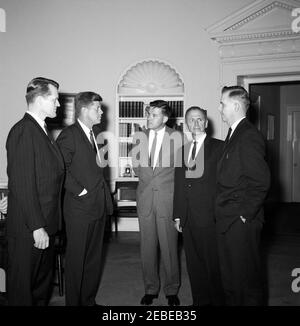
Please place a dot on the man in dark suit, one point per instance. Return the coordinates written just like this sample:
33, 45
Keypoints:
87, 202
243, 180
155, 206
35, 171
193, 212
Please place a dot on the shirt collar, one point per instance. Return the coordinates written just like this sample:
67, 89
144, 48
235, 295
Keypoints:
37, 118
200, 139
85, 128
235, 124
159, 132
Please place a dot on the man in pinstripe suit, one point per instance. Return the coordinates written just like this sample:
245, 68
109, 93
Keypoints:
35, 171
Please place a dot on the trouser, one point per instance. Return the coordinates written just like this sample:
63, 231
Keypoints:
159, 232
200, 246
240, 263
30, 272
83, 260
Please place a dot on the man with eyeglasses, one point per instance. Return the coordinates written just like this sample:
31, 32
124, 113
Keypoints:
87, 202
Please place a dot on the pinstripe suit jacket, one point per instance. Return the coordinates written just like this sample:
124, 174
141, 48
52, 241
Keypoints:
35, 171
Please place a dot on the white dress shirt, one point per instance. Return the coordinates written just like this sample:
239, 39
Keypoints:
234, 125
87, 132
159, 139
200, 141
85, 129
38, 120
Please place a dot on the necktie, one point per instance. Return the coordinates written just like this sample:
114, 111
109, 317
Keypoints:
47, 132
92, 140
152, 153
194, 150
228, 136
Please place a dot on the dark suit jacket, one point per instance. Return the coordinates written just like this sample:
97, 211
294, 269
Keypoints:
194, 194
160, 179
35, 171
82, 172
243, 177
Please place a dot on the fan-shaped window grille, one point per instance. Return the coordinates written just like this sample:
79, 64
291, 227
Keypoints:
151, 78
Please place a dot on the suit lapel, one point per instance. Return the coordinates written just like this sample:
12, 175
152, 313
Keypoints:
207, 148
186, 150
237, 131
84, 137
232, 140
51, 143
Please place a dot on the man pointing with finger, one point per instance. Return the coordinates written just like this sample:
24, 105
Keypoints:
35, 171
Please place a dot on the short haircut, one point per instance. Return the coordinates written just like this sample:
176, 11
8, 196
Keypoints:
195, 108
84, 99
39, 86
238, 93
163, 105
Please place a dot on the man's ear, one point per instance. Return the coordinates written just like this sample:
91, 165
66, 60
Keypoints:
206, 123
237, 106
84, 110
165, 119
39, 100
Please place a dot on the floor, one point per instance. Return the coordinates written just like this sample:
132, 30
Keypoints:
122, 283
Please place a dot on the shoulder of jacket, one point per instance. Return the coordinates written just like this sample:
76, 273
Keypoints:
216, 141
20, 127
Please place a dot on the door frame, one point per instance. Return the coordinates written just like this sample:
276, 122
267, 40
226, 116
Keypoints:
289, 148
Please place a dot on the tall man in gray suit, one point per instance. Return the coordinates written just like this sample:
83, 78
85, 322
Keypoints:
155, 207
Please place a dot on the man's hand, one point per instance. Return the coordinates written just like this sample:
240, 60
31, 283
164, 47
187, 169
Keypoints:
41, 238
177, 225
3, 205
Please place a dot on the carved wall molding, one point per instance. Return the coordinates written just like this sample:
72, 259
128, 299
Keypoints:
233, 29
260, 13
151, 77
245, 38
261, 48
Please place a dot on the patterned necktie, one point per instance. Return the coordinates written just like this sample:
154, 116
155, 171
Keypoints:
152, 153
228, 137
92, 140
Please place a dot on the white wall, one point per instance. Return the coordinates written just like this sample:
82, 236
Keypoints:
88, 44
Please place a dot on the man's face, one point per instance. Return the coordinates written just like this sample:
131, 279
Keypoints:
94, 112
50, 102
156, 120
227, 108
196, 122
